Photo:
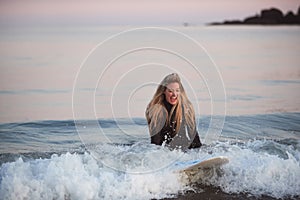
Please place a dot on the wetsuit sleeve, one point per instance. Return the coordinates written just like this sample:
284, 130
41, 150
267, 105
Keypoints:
156, 139
157, 130
156, 134
196, 142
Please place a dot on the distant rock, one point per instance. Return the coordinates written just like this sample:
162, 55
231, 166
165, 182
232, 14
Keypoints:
272, 16
186, 24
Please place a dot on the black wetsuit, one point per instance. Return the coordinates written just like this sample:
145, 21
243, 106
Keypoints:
186, 138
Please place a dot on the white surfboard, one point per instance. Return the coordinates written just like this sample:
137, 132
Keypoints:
197, 170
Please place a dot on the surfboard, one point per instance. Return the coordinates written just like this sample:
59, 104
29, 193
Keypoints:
199, 170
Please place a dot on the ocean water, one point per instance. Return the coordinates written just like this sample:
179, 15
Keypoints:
54, 147
47, 160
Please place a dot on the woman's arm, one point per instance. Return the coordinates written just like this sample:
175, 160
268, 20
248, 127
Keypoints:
156, 139
196, 142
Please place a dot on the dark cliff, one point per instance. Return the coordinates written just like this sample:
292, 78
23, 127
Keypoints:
272, 16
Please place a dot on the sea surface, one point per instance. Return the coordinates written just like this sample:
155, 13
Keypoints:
57, 143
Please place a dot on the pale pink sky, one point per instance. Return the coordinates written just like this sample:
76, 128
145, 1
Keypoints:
134, 12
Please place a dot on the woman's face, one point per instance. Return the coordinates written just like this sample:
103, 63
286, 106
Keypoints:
172, 93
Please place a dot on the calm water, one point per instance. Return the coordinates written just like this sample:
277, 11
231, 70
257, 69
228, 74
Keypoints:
247, 109
259, 67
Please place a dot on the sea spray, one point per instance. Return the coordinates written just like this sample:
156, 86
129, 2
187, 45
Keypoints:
260, 173
84, 176
81, 176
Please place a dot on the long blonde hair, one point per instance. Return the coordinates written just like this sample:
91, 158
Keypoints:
157, 115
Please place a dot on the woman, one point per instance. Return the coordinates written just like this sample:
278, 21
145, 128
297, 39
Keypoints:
171, 116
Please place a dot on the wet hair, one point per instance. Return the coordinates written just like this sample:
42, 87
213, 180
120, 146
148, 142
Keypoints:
157, 115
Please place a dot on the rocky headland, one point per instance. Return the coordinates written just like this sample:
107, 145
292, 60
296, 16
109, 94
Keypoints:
272, 16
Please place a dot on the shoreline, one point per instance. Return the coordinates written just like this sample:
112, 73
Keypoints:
210, 192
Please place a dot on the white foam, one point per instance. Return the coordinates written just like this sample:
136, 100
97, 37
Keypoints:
145, 171
77, 176
259, 173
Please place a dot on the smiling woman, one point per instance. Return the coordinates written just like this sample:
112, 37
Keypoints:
172, 92
171, 116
